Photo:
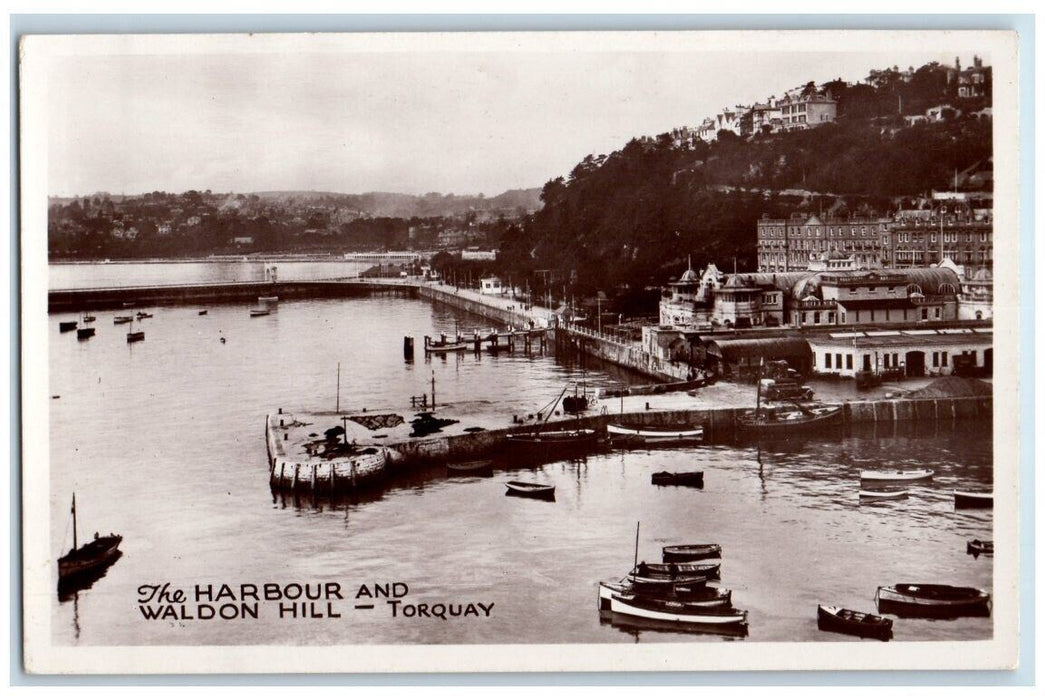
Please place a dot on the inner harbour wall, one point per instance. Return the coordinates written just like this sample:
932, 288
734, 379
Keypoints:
719, 424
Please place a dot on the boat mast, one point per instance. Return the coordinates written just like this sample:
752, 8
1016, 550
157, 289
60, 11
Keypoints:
635, 565
75, 543
758, 387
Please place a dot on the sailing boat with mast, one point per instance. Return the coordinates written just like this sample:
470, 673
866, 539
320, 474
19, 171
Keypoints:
564, 438
769, 418
96, 554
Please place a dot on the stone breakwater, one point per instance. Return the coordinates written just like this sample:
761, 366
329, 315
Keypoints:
293, 472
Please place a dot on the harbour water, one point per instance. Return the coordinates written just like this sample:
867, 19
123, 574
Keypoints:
132, 274
162, 441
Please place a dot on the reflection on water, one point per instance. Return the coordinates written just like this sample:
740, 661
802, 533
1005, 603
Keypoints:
70, 586
168, 435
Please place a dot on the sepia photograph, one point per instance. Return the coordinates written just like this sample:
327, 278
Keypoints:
549, 351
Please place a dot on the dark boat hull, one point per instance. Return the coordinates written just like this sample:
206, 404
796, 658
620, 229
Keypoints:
555, 438
933, 601
854, 623
84, 333
684, 553
66, 326
973, 500
91, 556
979, 547
757, 424
678, 479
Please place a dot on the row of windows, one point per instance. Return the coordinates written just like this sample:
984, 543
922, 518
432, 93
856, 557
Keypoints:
889, 360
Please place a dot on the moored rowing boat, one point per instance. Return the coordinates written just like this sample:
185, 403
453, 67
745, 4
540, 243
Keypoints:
834, 619
691, 552
932, 600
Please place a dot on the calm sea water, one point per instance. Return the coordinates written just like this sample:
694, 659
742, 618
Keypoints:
128, 274
162, 441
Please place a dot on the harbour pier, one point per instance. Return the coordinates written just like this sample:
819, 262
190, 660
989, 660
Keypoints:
296, 440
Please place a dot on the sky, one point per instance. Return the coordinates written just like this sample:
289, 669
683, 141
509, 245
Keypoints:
462, 119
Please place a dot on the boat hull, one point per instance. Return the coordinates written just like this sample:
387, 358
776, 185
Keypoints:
678, 479
652, 435
690, 552
66, 326
792, 421
978, 547
710, 598
854, 623
883, 495
556, 438
528, 490
650, 609
483, 467
90, 557
933, 601
84, 333
902, 475
965, 499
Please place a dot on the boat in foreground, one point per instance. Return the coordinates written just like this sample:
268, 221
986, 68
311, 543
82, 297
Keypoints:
978, 547
699, 598
971, 499
834, 619
674, 611
678, 479
883, 495
690, 552
646, 434
932, 600
897, 475
97, 553
673, 570
530, 490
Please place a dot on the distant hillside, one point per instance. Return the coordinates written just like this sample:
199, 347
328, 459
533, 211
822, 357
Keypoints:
633, 216
406, 206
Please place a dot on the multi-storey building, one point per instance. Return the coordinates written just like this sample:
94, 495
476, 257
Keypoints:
789, 245
806, 111
952, 230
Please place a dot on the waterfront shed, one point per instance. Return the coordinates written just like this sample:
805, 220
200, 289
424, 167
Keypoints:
743, 356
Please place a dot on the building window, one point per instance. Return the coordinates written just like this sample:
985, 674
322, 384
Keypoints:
885, 361
849, 361
896, 359
816, 317
943, 358
937, 312
936, 359
925, 314
838, 360
827, 360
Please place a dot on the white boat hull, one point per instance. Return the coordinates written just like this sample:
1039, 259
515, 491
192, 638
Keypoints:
623, 607
901, 475
653, 435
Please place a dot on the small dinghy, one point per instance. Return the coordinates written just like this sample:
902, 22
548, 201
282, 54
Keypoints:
678, 479
143, 314
860, 624
978, 547
531, 490
674, 611
932, 600
84, 333
117, 320
971, 499
66, 326
478, 467
691, 552
897, 475
883, 495
135, 336
254, 313
202, 312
